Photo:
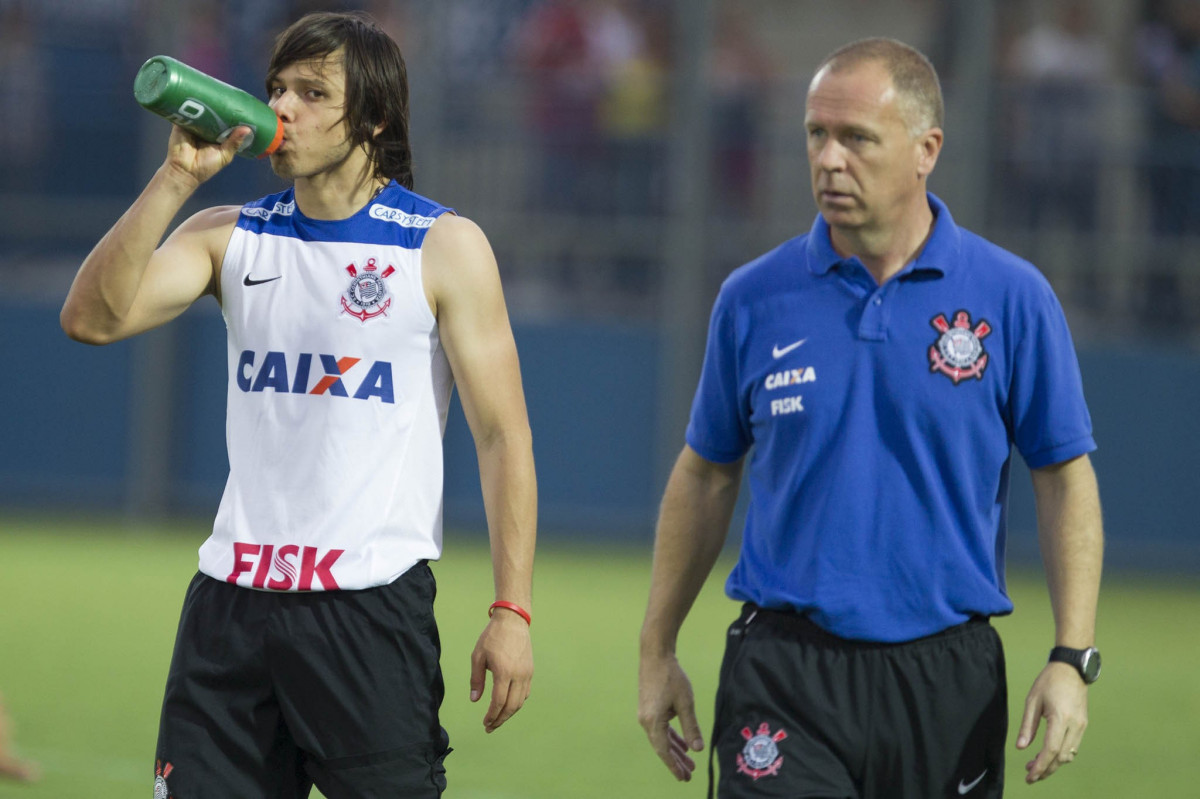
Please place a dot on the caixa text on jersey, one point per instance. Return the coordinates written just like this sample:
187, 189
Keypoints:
307, 373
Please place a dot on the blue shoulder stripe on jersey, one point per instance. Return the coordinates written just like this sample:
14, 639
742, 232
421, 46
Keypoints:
396, 217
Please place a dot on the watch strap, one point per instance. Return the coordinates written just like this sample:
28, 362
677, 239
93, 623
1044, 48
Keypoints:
1081, 659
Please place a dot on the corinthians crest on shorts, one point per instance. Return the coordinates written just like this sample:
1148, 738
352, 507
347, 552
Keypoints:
367, 295
958, 353
161, 772
760, 756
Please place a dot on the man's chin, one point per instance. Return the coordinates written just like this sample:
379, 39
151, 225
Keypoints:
840, 216
281, 167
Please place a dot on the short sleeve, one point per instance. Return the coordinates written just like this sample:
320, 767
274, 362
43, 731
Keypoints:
1050, 419
718, 429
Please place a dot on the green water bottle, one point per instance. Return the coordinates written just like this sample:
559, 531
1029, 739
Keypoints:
205, 106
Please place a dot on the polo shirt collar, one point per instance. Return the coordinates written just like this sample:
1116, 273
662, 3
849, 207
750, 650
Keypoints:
940, 254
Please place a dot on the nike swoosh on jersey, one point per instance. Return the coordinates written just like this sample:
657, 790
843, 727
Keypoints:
965, 787
249, 281
779, 352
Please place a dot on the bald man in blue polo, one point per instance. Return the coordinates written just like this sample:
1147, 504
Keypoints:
874, 377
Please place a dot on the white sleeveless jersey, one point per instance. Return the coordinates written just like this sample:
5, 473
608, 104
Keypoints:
338, 392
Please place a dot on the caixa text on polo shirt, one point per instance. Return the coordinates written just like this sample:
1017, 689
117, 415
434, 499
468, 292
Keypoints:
312, 374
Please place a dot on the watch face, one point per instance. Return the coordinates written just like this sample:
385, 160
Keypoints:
1091, 665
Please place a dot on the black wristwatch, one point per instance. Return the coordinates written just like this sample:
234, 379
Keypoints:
1085, 661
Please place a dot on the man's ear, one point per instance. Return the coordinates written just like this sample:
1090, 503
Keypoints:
929, 145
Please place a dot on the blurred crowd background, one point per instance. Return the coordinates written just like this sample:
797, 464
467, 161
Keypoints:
622, 156
571, 130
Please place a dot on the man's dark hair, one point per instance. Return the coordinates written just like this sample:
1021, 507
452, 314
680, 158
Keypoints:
376, 82
914, 77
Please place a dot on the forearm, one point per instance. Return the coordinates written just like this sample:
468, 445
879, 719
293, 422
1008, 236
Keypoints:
1070, 533
694, 519
509, 484
107, 283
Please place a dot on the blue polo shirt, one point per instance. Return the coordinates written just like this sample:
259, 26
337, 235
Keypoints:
880, 422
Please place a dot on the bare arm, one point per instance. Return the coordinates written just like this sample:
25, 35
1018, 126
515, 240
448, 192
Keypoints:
1072, 543
693, 522
463, 285
11, 766
128, 283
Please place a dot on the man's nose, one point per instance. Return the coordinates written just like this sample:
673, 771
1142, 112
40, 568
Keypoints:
284, 105
830, 157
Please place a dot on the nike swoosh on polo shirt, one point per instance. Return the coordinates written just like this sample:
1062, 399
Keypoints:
779, 352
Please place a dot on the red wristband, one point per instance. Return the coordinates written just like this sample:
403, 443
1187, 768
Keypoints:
514, 607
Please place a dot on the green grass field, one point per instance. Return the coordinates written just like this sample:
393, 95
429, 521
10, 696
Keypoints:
88, 613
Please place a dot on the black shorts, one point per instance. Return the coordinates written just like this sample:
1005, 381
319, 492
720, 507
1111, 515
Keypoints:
803, 713
269, 693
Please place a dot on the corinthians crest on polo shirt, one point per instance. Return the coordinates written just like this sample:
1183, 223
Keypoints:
367, 296
958, 353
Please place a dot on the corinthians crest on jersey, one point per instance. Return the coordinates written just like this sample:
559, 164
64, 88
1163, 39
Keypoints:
367, 296
958, 353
